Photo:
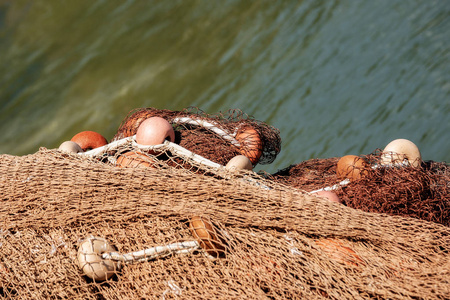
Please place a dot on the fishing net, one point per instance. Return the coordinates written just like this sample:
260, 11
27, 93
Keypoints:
279, 242
422, 192
217, 137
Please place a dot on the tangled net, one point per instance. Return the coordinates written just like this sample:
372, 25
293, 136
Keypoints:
422, 192
275, 241
280, 243
218, 145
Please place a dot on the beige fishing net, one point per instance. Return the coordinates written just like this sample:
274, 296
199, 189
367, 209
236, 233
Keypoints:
269, 239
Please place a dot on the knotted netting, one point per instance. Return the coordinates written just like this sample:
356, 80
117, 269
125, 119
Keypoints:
273, 240
280, 242
421, 192
217, 137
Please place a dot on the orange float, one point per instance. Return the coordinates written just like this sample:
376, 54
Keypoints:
133, 159
88, 140
251, 144
337, 251
351, 167
206, 235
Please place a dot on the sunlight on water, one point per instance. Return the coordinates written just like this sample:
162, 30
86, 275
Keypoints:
336, 77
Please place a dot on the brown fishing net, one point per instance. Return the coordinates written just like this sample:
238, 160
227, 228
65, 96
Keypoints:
280, 242
255, 139
422, 192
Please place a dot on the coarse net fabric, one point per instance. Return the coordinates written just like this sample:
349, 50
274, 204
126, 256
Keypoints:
421, 192
280, 242
222, 136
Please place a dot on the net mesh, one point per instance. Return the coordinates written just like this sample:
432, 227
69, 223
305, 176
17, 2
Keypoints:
280, 242
422, 192
257, 140
271, 239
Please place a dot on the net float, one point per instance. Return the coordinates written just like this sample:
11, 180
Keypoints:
251, 144
206, 235
99, 260
329, 195
70, 147
337, 251
348, 168
154, 131
401, 152
133, 159
91, 262
239, 162
88, 140
351, 167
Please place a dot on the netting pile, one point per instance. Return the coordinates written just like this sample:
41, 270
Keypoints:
276, 241
281, 243
422, 192
207, 143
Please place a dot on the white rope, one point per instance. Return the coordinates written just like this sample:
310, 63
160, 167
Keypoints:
403, 164
333, 187
152, 253
181, 151
167, 145
111, 146
170, 146
185, 120
210, 126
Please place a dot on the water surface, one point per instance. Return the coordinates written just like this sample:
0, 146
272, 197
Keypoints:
336, 77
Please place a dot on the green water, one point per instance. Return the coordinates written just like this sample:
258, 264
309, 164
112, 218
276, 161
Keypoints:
336, 77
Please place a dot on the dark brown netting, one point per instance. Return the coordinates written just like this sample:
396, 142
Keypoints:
422, 192
280, 242
257, 140
309, 175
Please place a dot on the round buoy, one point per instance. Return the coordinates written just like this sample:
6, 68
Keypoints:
251, 144
351, 167
91, 261
88, 140
400, 151
133, 159
70, 147
205, 233
239, 162
154, 131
